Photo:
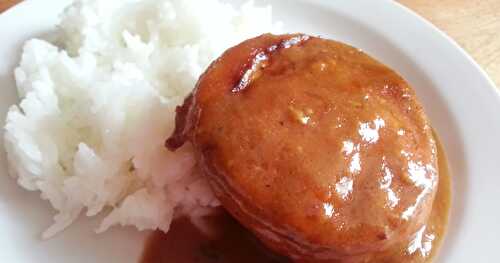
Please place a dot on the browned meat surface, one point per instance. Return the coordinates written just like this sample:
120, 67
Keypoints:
320, 150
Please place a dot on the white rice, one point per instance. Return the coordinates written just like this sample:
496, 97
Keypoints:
97, 105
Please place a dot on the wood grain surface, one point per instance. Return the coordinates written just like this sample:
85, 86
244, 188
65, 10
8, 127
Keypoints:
474, 24
5, 4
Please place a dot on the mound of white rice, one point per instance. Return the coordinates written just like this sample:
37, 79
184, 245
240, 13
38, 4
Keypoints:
97, 105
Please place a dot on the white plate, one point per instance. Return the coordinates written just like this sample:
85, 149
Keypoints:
461, 101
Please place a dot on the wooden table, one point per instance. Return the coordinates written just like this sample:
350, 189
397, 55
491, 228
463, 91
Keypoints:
474, 24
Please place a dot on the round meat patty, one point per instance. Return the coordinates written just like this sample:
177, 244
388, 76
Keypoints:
320, 150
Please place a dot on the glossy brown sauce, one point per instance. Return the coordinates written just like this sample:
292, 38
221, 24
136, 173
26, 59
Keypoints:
230, 242
424, 246
320, 150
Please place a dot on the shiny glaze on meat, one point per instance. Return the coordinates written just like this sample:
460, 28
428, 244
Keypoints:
225, 241
320, 150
